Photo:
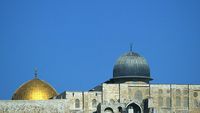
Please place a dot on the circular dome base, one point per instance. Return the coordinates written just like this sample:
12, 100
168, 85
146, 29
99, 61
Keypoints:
131, 78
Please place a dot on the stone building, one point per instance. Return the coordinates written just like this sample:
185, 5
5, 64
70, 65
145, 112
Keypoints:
129, 91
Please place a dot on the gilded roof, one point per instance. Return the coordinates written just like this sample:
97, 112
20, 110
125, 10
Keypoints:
34, 89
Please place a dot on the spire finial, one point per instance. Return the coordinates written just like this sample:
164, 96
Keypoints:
36, 72
131, 47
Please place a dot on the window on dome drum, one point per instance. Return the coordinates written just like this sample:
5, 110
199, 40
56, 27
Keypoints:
77, 103
94, 103
178, 101
138, 95
168, 102
160, 101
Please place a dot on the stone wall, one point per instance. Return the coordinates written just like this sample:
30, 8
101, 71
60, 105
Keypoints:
166, 98
29, 106
82, 102
175, 98
162, 98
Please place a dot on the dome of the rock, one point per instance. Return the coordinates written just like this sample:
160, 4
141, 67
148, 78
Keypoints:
34, 89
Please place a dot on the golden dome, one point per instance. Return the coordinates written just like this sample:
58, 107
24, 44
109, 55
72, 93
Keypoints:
34, 89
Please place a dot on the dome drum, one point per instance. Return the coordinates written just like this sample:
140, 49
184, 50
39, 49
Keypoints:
131, 78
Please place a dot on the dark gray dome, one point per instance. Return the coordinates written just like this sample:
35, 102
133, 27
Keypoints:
131, 65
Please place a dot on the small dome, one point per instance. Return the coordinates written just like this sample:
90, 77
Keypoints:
34, 89
131, 65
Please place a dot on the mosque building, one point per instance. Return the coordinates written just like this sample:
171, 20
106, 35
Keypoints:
128, 91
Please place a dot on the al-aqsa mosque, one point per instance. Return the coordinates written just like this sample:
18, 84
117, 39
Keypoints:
128, 91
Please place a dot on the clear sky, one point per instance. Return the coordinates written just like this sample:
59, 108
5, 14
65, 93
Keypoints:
75, 43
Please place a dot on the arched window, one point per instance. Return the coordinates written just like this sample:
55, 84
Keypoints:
77, 103
133, 108
94, 103
178, 101
160, 101
168, 102
108, 110
138, 95
185, 102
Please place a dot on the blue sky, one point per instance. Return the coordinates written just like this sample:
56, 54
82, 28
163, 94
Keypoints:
75, 43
